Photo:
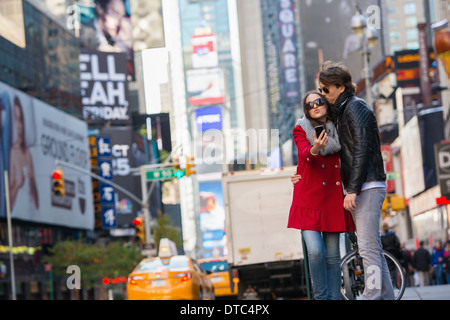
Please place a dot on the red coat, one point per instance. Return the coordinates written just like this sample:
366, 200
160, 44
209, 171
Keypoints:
318, 200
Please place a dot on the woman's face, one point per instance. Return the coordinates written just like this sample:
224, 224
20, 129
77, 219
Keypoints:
111, 17
18, 122
318, 111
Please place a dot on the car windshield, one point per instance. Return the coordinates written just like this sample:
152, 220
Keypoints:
215, 266
178, 262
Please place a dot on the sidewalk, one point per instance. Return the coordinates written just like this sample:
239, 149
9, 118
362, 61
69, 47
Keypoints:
441, 292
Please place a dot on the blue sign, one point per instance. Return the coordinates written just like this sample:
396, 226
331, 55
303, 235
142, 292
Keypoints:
105, 169
103, 147
208, 118
106, 194
109, 217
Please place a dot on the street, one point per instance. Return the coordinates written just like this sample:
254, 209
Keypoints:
441, 292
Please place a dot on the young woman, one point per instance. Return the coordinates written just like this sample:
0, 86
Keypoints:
22, 181
317, 205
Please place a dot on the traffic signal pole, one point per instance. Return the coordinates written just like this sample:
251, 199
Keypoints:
89, 173
8, 218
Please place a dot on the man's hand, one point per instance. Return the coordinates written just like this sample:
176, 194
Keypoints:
350, 202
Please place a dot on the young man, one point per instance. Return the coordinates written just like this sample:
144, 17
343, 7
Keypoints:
362, 172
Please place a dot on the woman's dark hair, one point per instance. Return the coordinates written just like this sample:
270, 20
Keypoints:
306, 108
19, 105
336, 74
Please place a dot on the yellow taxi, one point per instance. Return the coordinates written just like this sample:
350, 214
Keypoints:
219, 276
169, 277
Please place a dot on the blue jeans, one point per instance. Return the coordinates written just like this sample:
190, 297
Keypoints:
367, 217
324, 263
438, 276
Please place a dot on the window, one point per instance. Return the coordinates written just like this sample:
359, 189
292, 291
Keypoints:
393, 22
412, 34
409, 8
412, 45
411, 21
394, 36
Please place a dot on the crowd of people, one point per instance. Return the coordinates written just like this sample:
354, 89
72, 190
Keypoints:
423, 267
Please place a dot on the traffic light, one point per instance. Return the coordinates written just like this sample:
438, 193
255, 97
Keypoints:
139, 226
58, 183
392, 204
189, 164
177, 171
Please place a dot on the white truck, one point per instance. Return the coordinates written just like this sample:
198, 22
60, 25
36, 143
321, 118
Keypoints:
265, 254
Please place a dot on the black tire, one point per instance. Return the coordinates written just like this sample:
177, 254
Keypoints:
353, 283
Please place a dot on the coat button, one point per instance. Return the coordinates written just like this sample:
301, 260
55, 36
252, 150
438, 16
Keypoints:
323, 166
324, 183
337, 166
338, 183
307, 159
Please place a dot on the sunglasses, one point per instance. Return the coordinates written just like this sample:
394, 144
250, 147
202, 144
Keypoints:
326, 90
318, 102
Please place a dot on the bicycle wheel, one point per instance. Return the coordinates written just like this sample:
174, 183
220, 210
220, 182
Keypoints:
397, 275
352, 271
352, 285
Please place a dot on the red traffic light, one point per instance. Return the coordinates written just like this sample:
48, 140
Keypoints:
57, 174
137, 221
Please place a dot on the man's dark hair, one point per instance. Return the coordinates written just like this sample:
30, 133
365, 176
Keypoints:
337, 74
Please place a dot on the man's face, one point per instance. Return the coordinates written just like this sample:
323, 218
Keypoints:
331, 92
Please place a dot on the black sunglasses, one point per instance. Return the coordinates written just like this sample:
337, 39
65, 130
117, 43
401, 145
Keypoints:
318, 102
324, 90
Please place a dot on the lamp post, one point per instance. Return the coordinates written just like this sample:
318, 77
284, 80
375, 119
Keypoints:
369, 39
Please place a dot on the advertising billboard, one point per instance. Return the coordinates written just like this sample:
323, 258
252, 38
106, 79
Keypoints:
121, 139
205, 86
208, 118
442, 156
104, 88
289, 52
34, 135
212, 218
204, 52
106, 26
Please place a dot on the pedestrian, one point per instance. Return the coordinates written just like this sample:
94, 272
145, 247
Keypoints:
362, 172
317, 205
421, 264
406, 264
437, 258
391, 243
446, 262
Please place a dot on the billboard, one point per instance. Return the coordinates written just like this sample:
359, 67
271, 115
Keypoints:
104, 88
442, 156
205, 86
289, 52
412, 161
34, 135
12, 27
126, 208
208, 118
407, 67
204, 51
106, 26
212, 218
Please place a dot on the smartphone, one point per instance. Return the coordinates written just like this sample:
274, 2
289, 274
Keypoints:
319, 130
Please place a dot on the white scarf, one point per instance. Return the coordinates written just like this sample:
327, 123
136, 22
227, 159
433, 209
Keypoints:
333, 146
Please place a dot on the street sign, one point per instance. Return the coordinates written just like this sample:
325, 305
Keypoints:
159, 174
392, 175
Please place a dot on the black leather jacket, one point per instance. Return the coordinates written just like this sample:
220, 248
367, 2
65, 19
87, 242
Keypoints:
360, 154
